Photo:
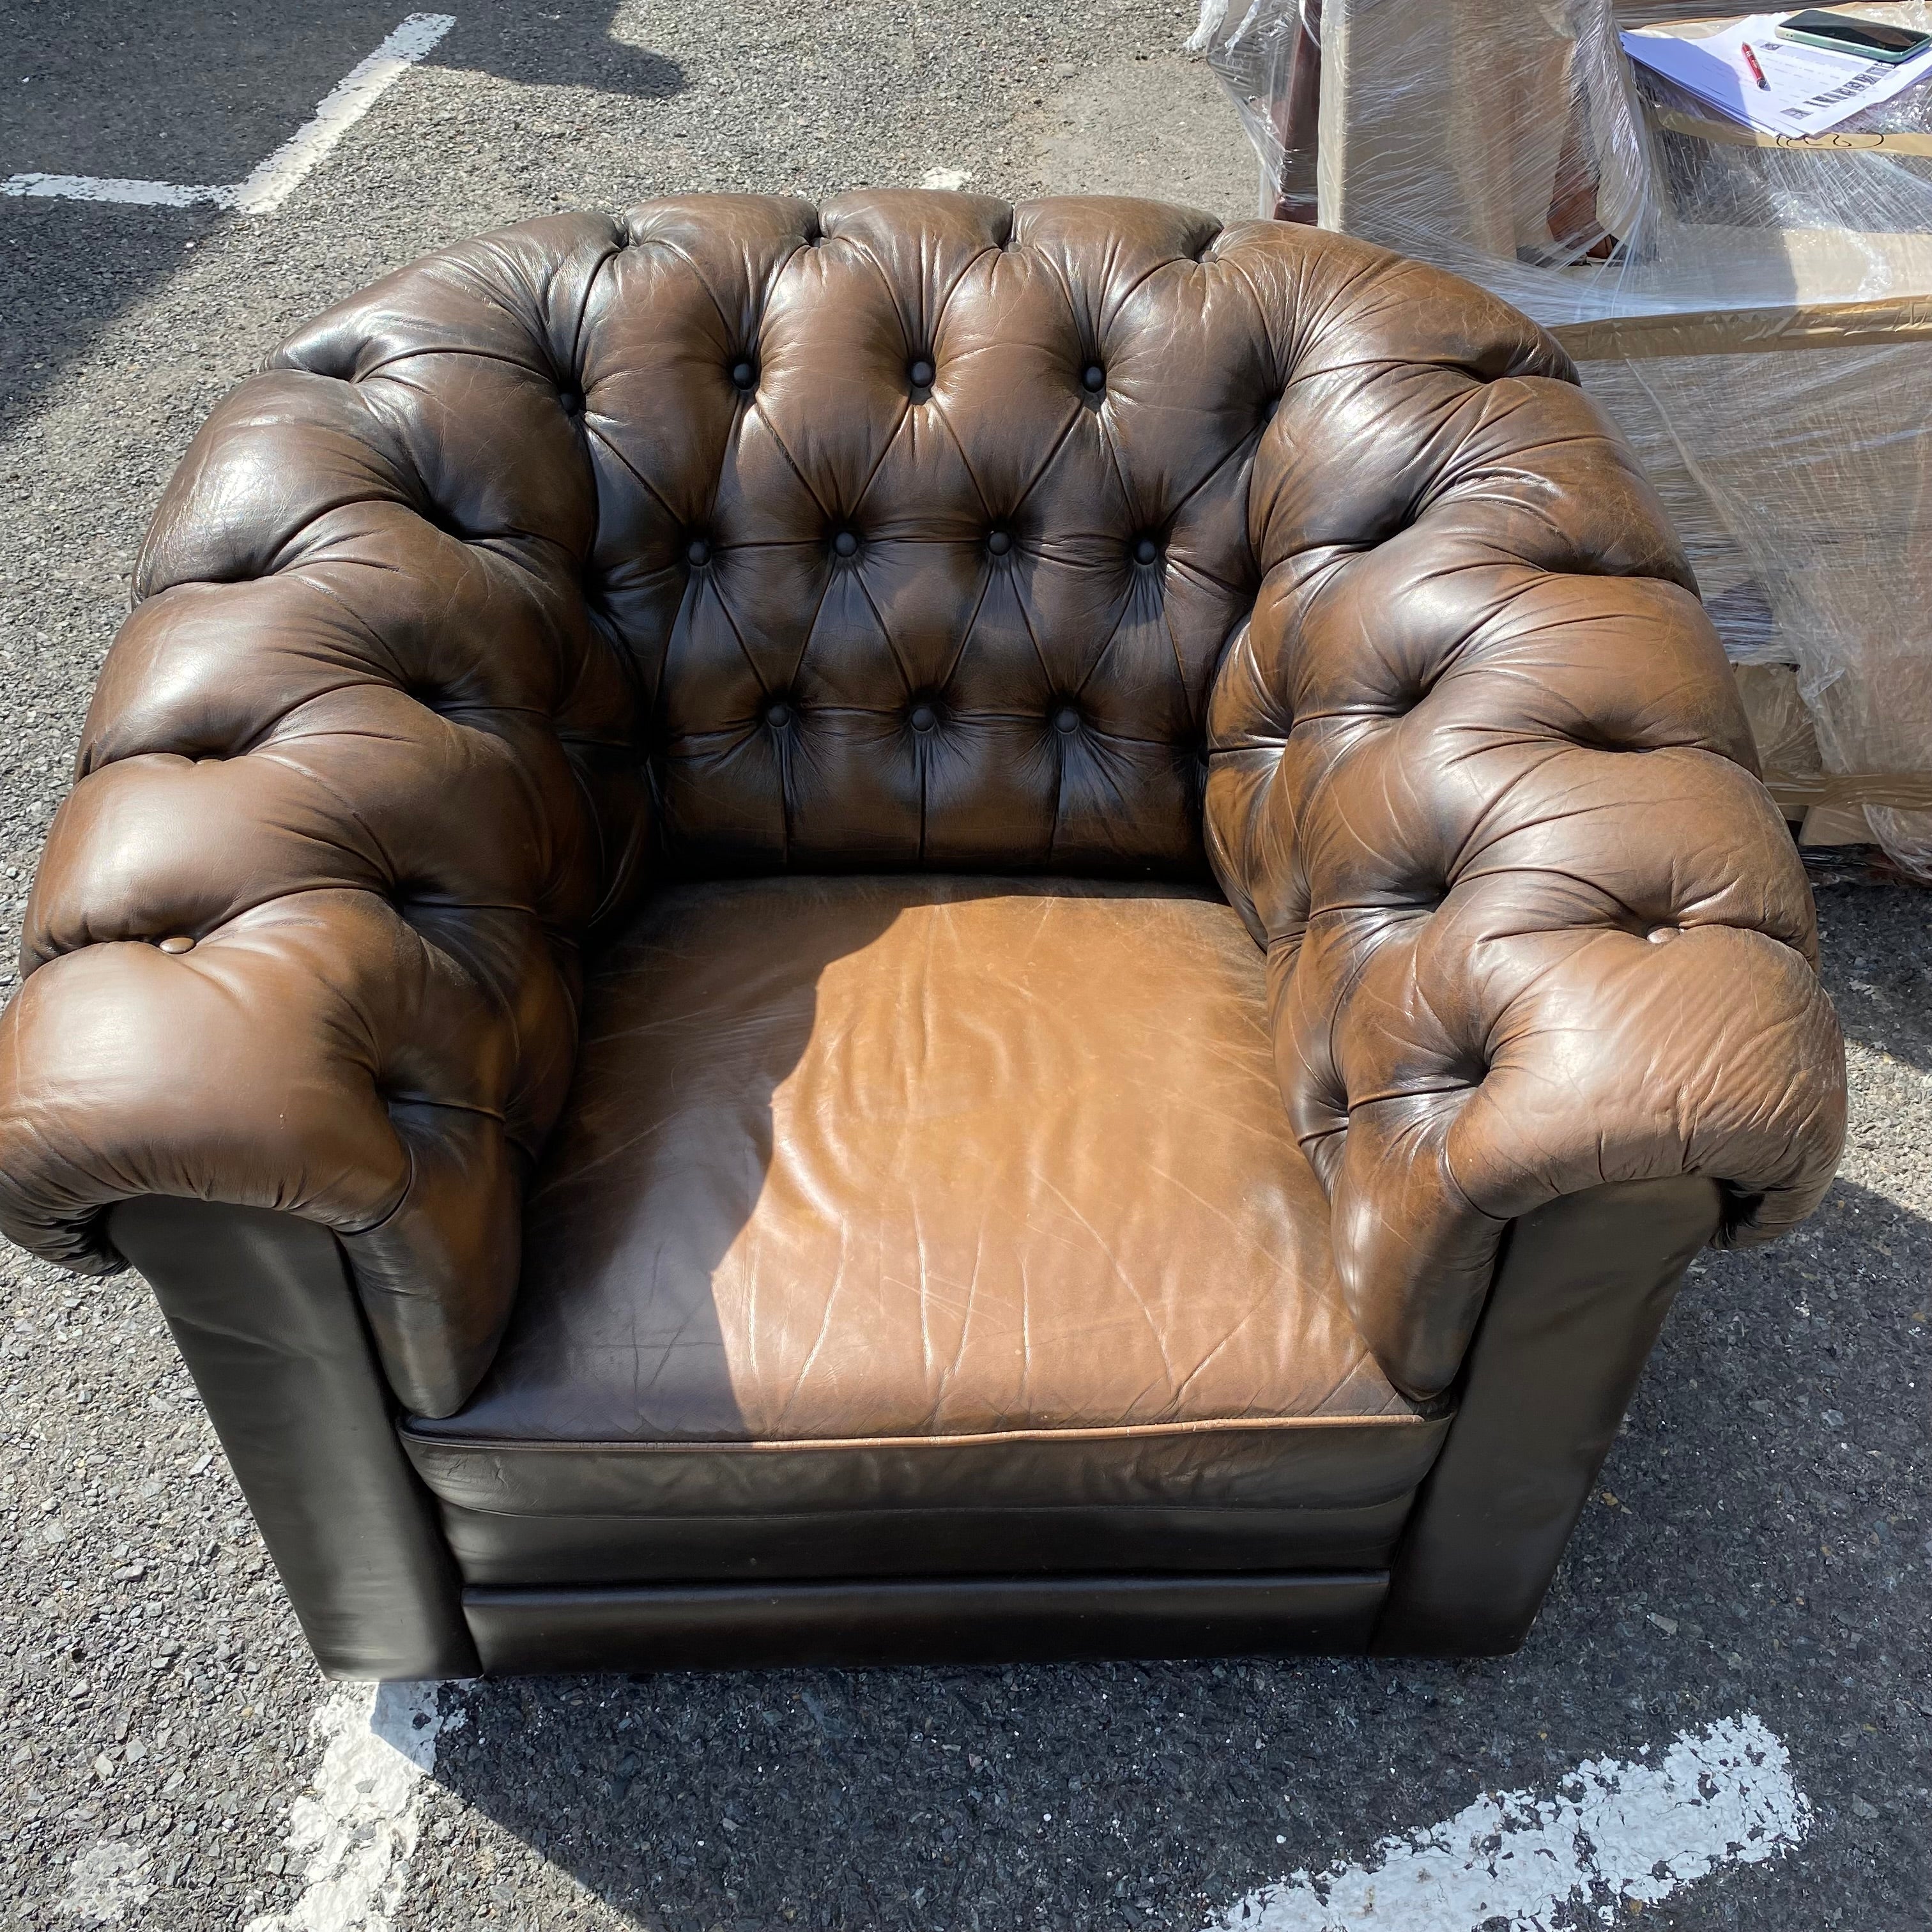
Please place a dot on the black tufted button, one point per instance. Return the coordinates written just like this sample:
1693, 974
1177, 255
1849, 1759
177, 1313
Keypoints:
923, 718
1067, 719
1094, 379
777, 714
698, 550
1145, 550
572, 403
921, 373
998, 542
744, 375
846, 544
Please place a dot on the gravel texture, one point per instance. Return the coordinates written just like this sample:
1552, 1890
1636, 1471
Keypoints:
1759, 1543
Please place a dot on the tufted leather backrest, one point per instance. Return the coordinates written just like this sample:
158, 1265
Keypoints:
922, 523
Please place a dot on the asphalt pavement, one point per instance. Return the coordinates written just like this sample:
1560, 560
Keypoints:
1758, 1545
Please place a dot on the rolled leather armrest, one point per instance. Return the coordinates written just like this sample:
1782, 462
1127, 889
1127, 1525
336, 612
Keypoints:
1479, 782
358, 775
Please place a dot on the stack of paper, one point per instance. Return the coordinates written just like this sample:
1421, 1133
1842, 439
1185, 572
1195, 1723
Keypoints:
1746, 73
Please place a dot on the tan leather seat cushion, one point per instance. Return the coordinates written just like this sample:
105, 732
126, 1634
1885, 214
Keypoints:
891, 1193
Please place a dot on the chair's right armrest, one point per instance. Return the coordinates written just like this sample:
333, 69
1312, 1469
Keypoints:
305, 934
306, 1055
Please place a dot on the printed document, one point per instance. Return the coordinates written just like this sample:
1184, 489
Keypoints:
1746, 73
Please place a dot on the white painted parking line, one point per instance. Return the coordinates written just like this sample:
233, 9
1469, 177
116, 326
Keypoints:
355, 1831
108, 1883
271, 184
106, 188
358, 90
1615, 1838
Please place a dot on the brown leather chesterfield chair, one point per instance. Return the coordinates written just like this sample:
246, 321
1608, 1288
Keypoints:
923, 931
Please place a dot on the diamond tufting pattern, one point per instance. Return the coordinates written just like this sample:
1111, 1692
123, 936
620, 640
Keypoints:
734, 536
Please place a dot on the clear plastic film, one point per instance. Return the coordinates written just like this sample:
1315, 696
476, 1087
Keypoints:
1756, 317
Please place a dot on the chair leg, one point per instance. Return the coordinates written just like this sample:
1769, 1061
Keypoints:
262, 1309
1582, 1291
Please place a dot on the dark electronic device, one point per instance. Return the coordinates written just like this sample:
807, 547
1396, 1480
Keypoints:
1841, 34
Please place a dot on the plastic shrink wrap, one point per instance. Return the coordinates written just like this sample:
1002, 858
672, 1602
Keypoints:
1755, 316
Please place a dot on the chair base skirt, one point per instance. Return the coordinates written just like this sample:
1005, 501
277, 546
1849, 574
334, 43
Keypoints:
976, 1620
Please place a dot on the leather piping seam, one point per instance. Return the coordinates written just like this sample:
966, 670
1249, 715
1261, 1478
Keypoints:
516, 1596
682, 1519
1125, 1432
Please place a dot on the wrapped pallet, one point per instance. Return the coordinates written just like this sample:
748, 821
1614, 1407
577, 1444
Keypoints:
1756, 314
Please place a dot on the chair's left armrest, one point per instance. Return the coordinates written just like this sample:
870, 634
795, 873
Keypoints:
1481, 784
